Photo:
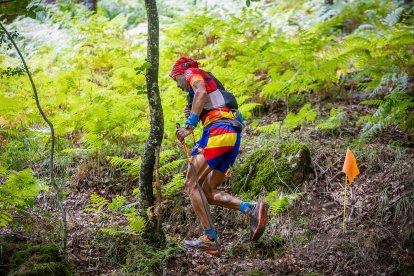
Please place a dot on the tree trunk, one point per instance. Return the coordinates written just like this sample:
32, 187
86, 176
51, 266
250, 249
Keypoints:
91, 4
328, 2
156, 123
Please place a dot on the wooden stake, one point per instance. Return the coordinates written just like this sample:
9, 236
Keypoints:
343, 221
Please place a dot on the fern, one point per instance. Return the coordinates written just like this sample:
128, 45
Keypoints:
5, 218
18, 191
394, 17
136, 224
95, 204
279, 203
395, 109
170, 167
334, 122
305, 115
117, 203
176, 184
129, 165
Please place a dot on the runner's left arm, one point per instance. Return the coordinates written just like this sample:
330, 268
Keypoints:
200, 97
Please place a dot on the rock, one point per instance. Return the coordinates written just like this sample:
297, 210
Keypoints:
39, 260
273, 166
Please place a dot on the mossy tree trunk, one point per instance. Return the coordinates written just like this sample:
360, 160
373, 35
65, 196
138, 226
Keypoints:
156, 123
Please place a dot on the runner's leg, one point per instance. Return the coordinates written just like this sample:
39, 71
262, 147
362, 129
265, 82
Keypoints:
216, 197
202, 169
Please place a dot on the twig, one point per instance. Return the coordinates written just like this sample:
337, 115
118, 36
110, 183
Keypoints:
332, 217
392, 202
248, 177
52, 145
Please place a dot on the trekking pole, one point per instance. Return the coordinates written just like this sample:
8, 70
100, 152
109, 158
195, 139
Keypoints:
210, 222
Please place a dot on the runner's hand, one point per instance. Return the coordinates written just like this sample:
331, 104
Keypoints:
187, 111
182, 132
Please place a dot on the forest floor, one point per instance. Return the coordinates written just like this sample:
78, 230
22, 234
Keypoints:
305, 239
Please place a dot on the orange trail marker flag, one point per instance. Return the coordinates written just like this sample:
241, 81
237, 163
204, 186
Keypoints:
350, 167
351, 170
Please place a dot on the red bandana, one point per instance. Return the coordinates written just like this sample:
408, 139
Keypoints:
181, 65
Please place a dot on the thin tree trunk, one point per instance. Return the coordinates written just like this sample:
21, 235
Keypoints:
156, 122
52, 146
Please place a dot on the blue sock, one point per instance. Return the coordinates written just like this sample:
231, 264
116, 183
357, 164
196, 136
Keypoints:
245, 207
212, 232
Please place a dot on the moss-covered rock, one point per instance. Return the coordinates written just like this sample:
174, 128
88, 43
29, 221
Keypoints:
40, 269
38, 260
273, 167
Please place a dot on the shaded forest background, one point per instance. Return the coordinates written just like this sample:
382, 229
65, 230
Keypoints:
311, 78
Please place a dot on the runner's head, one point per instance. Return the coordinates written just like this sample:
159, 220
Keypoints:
177, 72
181, 65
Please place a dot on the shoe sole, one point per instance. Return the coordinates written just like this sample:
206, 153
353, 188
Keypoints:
209, 251
215, 251
261, 222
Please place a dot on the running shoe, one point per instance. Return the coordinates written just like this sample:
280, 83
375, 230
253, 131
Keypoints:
204, 243
258, 219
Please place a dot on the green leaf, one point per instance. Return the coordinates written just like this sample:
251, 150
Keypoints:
141, 69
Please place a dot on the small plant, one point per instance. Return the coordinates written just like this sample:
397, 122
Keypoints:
176, 184
95, 204
292, 121
333, 123
117, 203
18, 191
395, 109
278, 203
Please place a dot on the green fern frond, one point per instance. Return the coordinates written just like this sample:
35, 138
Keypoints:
374, 102
95, 204
176, 184
166, 155
273, 128
246, 109
117, 203
279, 203
5, 218
170, 167
136, 224
333, 122
129, 165
394, 17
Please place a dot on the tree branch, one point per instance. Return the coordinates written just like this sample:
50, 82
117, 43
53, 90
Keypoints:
52, 143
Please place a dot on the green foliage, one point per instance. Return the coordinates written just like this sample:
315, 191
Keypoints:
95, 204
18, 191
395, 109
131, 166
149, 260
5, 218
171, 166
305, 115
117, 203
278, 203
118, 206
176, 184
136, 224
332, 123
